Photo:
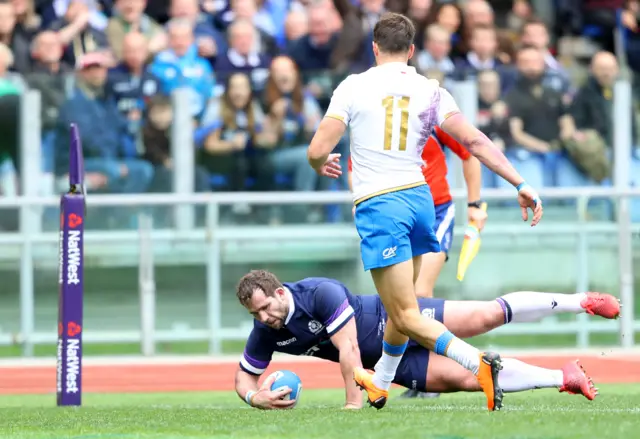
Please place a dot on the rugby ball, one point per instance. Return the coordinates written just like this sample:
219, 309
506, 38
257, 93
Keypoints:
286, 378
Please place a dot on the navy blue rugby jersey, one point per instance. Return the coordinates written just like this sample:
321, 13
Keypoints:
318, 308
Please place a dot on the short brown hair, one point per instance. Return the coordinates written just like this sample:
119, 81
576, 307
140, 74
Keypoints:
394, 33
256, 280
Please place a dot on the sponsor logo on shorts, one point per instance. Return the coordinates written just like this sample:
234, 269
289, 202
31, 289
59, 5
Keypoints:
389, 252
429, 313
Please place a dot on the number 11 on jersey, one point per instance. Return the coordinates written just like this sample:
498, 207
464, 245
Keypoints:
389, 104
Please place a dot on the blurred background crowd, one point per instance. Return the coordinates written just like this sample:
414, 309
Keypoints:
260, 74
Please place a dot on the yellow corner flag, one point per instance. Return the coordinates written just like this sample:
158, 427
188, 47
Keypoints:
470, 247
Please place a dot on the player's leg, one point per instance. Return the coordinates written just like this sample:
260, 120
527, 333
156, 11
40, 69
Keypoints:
432, 264
471, 318
386, 248
426, 271
484, 365
445, 376
383, 224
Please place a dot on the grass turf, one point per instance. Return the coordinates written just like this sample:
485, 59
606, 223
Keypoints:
543, 414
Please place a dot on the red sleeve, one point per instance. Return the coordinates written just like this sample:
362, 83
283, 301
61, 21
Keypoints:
349, 165
452, 144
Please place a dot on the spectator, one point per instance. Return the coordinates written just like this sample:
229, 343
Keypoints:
252, 11
538, 119
296, 26
592, 111
77, 34
210, 41
130, 83
238, 139
483, 55
242, 57
492, 111
603, 13
12, 37
128, 16
157, 147
478, 13
535, 34
49, 76
354, 42
418, 11
437, 45
97, 19
448, 16
313, 54
297, 116
314, 50
111, 166
10, 82
593, 104
180, 66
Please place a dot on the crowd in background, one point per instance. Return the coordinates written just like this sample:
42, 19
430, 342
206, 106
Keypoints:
260, 74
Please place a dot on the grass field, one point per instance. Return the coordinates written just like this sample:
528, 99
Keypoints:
541, 414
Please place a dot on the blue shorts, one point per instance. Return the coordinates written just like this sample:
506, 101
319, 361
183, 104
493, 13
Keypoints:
412, 371
396, 226
445, 220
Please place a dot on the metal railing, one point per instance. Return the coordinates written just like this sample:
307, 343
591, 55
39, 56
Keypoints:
215, 235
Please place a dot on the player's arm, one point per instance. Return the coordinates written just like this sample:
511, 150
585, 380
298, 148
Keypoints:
472, 171
454, 123
332, 307
471, 167
331, 129
255, 360
346, 341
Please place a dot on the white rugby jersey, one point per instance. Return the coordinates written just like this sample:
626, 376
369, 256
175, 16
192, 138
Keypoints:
391, 110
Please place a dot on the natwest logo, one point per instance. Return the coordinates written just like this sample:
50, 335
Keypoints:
72, 366
74, 220
73, 256
73, 329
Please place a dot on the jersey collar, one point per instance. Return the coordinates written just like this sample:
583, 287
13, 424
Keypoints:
399, 66
292, 305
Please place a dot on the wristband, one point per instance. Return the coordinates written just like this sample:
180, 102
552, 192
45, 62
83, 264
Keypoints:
476, 204
521, 185
248, 397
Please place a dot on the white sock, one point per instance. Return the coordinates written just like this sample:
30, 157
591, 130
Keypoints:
517, 376
385, 370
464, 354
530, 306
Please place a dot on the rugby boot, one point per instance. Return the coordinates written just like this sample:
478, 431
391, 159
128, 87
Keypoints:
600, 304
575, 381
364, 379
490, 366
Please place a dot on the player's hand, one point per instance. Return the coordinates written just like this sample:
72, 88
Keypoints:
529, 199
477, 217
331, 167
267, 399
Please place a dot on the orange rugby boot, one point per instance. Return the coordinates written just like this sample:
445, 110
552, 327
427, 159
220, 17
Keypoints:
490, 366
600, 304
577, 382
364, 379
